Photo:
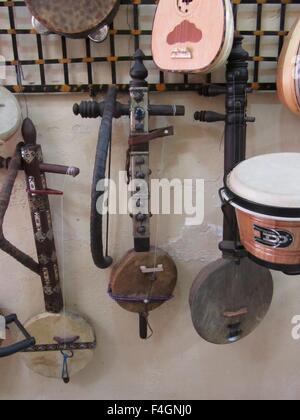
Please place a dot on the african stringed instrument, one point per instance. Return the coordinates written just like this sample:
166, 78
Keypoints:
146, 276
10, 115
231, 296
73, 18
192, 36
57, 333
288, 71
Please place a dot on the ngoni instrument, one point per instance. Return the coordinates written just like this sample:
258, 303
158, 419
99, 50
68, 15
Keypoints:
146, 276
10, 115
58, 343
192, 36
232, 295
288, 73
265, 192
72, 18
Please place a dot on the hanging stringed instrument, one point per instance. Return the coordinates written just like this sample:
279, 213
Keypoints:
146, 277
73, 18
58, 343
288, 74
232, 295
192, 35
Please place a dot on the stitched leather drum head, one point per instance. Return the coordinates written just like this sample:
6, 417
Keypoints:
129, 282
228, 301
45, 328
73, 18
268, 180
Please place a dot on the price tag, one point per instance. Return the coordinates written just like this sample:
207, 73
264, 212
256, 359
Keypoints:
2, 328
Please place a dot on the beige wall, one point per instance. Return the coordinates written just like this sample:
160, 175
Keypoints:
176, 362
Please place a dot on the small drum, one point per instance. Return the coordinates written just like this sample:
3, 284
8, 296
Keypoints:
73, 19
265, 192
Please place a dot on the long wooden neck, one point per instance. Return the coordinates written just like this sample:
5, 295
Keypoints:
140, 171
41, 219
139, 153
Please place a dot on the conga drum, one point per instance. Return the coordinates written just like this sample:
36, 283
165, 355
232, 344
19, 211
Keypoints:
265, 191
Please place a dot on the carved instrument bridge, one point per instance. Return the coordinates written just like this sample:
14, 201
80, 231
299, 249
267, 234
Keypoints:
183, 53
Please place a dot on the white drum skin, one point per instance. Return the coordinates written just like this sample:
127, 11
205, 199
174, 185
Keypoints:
10, 115
45, 327
266, 195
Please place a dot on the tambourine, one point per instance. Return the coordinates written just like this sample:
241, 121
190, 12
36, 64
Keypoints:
72, 18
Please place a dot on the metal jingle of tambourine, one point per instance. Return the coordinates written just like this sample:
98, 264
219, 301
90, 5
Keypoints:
99, 35
39, 27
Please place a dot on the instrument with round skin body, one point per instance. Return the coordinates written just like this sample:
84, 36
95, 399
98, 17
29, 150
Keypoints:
55, 326
131, 285
232, 295
289, 72
73, 18
10, 115
192, 36
265, 193
146, 276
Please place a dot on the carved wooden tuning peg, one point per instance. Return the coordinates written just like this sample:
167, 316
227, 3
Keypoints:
29, 131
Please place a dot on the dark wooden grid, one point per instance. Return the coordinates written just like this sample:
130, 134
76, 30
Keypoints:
186, 85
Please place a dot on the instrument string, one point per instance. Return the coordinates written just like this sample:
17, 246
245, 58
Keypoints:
152, 278
109, 190
131, 38
62, 255
20, 79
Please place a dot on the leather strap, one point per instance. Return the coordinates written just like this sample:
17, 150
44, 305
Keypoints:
146, 138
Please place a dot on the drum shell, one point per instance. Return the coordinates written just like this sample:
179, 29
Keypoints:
255, 231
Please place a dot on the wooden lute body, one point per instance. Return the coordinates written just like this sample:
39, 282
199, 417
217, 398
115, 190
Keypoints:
192, 36
288, 71
73, 18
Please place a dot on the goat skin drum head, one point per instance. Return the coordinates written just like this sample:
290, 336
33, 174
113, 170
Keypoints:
10, 115
45, 328
270, 180
127, 280
73, 18
229, 300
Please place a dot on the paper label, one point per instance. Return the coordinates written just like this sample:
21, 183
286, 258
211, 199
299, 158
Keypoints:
2, 328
